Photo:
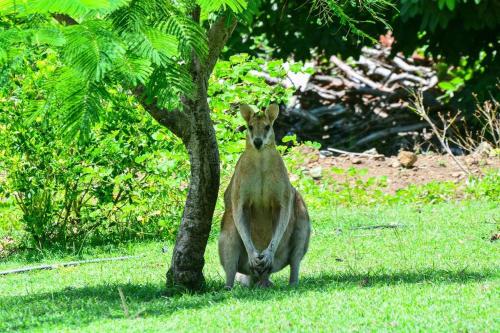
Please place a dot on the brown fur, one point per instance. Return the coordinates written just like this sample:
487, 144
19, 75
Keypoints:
272, 228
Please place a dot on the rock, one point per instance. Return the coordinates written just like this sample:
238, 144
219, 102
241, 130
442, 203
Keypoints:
316, 172
457, 174
471, 160
407, 158
356, 160
376, 155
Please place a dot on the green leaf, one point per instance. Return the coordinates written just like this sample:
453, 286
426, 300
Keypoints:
450, 4
134, 69
290, 138
190, 35
50, 36
445, 85
237, 6
153, 45
74, 8
457, 81
296, 67
91, 49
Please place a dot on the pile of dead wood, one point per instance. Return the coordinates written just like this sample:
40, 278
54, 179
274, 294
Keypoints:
364, 103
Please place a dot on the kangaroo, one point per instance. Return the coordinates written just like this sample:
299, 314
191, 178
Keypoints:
266, 225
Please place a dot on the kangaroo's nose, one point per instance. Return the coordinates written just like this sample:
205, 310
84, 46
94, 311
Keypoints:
257, 143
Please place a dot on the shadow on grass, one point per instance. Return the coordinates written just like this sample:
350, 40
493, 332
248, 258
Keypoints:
74, 307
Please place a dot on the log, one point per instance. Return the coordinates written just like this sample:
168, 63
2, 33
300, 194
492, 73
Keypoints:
332, 110
388, 131
353, 74
409, 77
343, 152
404, 66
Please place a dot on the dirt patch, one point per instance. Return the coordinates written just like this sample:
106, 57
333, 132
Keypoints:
426, 169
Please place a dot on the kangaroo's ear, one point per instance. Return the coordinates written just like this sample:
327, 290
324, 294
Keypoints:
246, 112
272, 112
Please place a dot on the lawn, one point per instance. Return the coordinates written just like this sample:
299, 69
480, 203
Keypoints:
437, 271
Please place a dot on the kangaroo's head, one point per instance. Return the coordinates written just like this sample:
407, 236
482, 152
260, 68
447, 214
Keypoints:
260, 125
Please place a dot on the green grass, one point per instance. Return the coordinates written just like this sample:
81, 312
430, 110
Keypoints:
438, 272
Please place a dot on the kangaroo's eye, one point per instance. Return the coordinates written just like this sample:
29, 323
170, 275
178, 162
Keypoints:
268, 128
250, 127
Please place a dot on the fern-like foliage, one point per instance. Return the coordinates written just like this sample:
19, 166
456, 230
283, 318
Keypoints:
80, 101
133, 70
191, 35
74, 8
115, 44
328, 9
92, 49
236, 6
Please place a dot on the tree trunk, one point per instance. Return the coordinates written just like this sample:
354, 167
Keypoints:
186, 269
188, 256
193, 125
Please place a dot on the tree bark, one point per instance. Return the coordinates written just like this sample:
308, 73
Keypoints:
188, 255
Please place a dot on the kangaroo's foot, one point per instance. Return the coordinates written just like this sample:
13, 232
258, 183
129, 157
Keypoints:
264, 282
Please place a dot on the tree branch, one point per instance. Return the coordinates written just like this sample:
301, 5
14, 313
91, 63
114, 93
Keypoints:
218, 35
64, 19
175, 120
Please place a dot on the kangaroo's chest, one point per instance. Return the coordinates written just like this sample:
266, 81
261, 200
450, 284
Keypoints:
264, 186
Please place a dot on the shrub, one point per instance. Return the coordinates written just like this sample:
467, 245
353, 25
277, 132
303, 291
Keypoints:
126, 181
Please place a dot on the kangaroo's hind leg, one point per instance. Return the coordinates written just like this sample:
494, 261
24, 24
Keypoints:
230, 247
299, 239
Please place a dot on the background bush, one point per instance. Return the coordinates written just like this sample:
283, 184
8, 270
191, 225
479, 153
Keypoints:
126, 181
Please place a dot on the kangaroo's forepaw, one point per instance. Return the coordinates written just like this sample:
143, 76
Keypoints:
255, 264
265, 263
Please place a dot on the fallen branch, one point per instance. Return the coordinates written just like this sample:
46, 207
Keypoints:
388, 131
403, 65
66, 264
353, 74
380, 226
340, 151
